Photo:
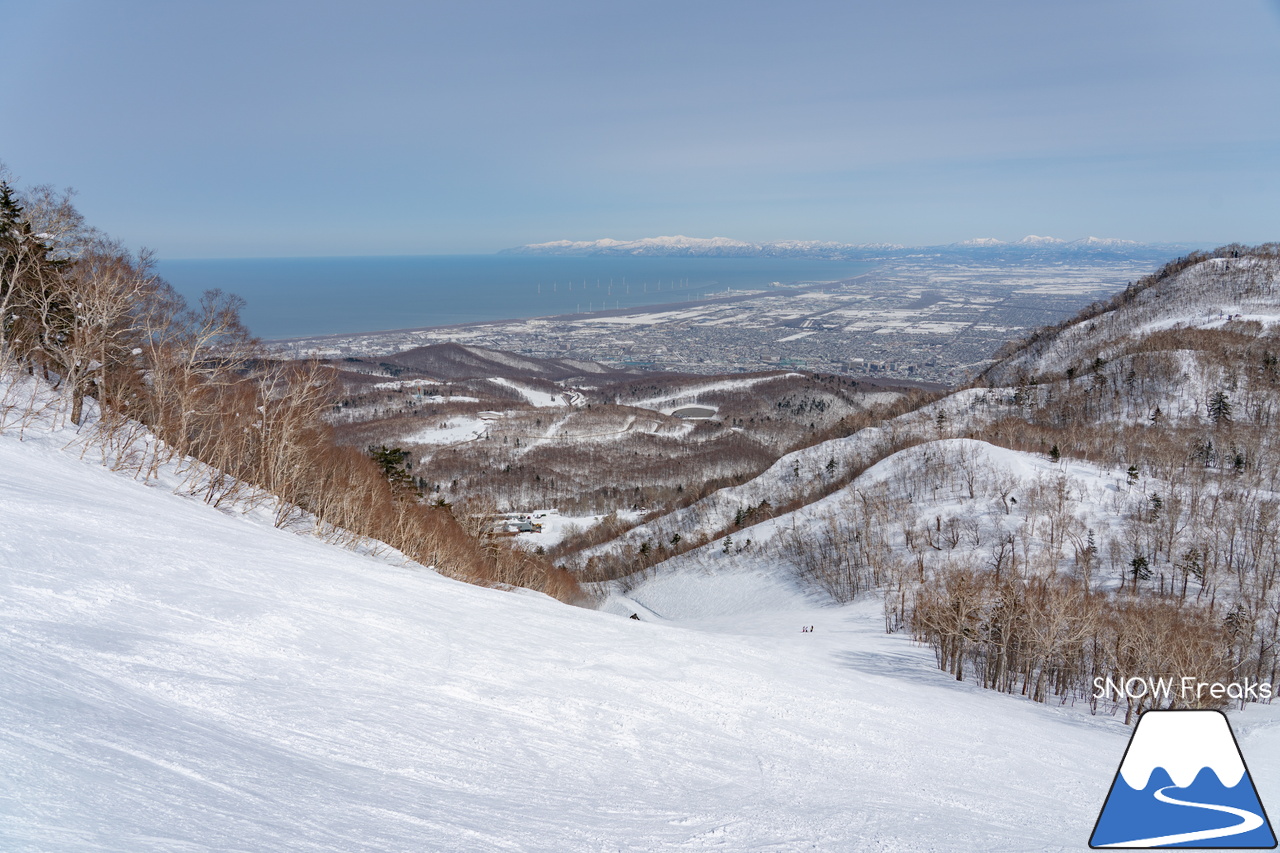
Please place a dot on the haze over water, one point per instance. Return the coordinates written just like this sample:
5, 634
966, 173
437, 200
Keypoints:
300, 297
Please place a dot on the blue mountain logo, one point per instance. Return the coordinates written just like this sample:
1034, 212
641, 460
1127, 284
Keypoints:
1183, 783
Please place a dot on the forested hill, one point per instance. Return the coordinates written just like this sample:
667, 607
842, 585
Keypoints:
1232, 289
454, 362
1102, 503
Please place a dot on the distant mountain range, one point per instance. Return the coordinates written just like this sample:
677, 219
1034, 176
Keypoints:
1031, 246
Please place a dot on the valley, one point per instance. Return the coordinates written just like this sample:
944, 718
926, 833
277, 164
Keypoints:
316, 607
481, 425
676, 427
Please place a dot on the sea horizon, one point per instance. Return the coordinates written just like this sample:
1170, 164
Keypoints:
314, 296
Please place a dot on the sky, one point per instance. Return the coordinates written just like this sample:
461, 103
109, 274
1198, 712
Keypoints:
261, 129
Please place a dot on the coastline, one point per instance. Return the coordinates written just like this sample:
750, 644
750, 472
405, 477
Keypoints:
736, 296
904, 322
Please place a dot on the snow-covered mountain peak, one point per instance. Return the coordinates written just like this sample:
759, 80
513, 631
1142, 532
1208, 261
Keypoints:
982, 242
681, 241
1183, 743
683, 246
1102, 242
672, 242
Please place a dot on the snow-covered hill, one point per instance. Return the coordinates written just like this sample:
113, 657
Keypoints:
1208, 294
452, 362
1239, 294
797, 478
180, 678
1127, 466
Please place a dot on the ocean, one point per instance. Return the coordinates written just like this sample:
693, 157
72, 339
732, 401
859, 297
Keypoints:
302, 297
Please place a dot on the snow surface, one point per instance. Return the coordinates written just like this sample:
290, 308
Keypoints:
451, 430
797, 336
539, 399
555, 527
981, 241
1205, 295
690, 394
714, 598
176, 677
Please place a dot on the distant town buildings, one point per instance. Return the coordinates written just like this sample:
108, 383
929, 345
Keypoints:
905, 322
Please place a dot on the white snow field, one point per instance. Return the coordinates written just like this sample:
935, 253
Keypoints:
449, 430
177, 678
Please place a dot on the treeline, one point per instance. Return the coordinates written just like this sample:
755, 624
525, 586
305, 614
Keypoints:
790, 483
1053, 640
602, 456
95, 322
1005, 578
1184, 579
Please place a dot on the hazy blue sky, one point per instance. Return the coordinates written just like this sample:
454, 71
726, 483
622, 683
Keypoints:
312, 128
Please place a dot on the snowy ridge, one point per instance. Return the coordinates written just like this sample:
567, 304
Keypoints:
1183, 743
1206, 295
895, 476
678, 244
794, 476
1108, 242
688, 394
980, 241
533, 396
683, 246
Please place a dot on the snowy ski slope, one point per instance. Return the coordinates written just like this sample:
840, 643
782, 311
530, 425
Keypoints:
177, 678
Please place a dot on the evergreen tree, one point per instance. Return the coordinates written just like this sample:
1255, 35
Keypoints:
394, 462
16, 240
1220, 408
36, 311
1140, 569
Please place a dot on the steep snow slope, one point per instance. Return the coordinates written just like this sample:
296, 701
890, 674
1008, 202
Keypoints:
176, 678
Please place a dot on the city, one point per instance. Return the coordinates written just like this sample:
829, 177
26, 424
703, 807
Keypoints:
934, 323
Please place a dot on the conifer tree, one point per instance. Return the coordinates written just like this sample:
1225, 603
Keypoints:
35, 310
15, 266
1220, 408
